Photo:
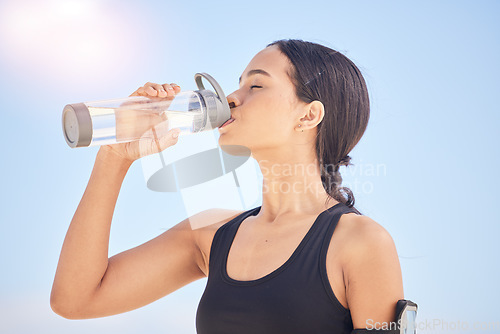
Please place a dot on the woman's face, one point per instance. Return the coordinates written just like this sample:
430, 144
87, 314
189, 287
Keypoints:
265, 108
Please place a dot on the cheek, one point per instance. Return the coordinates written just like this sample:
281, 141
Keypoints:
281, 109
276, 123
270, 119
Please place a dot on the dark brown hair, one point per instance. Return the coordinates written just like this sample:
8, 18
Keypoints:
326, 75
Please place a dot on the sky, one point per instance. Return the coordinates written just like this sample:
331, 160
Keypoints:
426, 168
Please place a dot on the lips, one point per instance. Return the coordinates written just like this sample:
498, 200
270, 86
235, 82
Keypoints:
229, 121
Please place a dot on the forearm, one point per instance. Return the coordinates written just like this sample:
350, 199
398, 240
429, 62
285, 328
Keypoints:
84, 254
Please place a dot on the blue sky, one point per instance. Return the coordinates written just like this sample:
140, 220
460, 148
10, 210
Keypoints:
426, 168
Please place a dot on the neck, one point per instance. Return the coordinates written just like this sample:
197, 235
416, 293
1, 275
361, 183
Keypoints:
291, 185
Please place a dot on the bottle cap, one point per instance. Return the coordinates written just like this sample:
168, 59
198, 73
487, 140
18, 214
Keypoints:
77, 125
218, 108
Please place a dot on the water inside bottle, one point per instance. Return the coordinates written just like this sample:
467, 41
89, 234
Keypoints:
103, 126
119, 125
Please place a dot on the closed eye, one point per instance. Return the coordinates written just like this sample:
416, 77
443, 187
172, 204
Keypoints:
251, 87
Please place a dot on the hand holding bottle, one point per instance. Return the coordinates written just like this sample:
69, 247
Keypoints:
156, 136
148, 121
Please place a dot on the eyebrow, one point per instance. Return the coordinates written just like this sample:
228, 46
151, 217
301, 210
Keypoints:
257, 71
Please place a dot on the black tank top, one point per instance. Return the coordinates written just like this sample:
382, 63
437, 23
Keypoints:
295, 298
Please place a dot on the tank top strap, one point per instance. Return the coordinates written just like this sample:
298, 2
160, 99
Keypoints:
321, 233
223, 238
326, 230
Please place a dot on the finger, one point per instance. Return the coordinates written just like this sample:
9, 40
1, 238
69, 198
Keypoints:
177, 88
170, 139
149, 90
156, 142
154, 89
140, 91
161, 91
169, 89
136, 93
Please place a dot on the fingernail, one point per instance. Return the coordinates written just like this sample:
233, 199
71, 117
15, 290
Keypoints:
170, 88
175, 134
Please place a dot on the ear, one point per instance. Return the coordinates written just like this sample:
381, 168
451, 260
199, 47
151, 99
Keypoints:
314, 113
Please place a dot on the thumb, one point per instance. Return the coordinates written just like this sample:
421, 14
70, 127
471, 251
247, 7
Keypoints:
156, 142
171, 138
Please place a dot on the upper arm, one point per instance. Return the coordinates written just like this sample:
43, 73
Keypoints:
374, 281
154, 269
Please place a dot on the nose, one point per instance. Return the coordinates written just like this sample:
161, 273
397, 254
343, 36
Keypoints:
233, 101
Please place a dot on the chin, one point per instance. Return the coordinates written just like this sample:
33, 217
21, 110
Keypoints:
236, 150
233, 147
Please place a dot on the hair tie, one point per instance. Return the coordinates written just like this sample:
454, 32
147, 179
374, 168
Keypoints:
329, 168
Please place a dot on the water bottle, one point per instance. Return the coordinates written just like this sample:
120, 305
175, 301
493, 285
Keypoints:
138, 117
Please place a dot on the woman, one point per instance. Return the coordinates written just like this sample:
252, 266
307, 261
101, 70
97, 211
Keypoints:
276, 268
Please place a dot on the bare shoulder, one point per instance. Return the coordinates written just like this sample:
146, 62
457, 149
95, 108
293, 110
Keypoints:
372, 272
204, 225
359, 233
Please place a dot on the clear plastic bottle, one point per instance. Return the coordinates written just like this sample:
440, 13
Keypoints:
132, 118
